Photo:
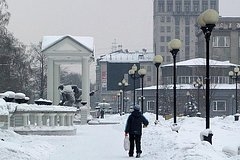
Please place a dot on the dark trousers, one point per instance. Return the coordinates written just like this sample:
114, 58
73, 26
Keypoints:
137, 139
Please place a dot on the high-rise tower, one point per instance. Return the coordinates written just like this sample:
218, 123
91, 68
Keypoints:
177, 19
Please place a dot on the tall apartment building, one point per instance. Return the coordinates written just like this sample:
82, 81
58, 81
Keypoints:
177, 19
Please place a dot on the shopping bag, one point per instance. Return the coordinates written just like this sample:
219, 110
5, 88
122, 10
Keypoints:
126, 143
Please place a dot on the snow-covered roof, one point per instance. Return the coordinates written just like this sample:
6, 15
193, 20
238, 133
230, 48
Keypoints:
201, 62
121, 57
83, 40
190, 86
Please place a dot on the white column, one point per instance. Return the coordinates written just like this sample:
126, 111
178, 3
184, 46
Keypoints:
62, 119
84, 114
85, 80
25, 119
56, 118
50, 79
52, 119
32, 119
69, 119
44, 119
39, 119
56, 83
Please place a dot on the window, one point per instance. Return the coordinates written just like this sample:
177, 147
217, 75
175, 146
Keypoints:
219, 105
162, 29
168, 29
219, 79
187, 52
149, 68
169, 39
168, 19
187, 7
204, 5
168, 58
187, 20
178, 6
213, 4
162, 19
177, 30
177, 20
221, 41
187, 40
150, 105
196, 6
162, 49
162, 39
161, 5
149, 78
169, 6
187, 31
183, 80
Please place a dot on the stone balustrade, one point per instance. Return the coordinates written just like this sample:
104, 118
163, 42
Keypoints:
41, 119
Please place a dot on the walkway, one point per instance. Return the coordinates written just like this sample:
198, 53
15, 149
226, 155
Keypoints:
92, 142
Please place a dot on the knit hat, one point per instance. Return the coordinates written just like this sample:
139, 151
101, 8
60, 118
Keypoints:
136, 107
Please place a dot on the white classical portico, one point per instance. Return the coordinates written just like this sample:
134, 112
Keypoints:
67, 50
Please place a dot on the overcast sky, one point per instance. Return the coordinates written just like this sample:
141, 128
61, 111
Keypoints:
130, 22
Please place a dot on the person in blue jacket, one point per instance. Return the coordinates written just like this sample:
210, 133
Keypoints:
135, 122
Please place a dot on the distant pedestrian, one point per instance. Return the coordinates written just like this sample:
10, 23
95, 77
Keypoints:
102, 113
134, 125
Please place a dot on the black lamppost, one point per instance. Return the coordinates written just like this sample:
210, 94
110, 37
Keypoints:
133, 73
121, 102
235, 75
118, 101
207, 20
123, 84
174, 46
157, 62
142, 73
198, 84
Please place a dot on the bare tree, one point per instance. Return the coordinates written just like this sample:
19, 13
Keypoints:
39, 65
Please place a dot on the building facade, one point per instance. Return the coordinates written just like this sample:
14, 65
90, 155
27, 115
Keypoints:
224, 42
177, 19
113, 67
189, 73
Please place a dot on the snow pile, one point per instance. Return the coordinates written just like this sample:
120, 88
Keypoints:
16, 147
3, 107
105, 141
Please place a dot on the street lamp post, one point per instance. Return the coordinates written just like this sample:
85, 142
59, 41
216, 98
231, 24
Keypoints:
207, 20
118, 101
132, 73
123, 84
121, 102
235, 75
198, 84
126, 99
142, 73
174, 46
157, 62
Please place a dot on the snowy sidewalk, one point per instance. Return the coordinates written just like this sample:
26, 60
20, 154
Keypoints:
89, 144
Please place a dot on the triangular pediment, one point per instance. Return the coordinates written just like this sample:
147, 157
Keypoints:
67, 45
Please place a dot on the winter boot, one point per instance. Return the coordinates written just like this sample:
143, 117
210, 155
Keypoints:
138, 155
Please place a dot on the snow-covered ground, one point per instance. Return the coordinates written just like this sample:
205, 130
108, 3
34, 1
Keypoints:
103, 142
